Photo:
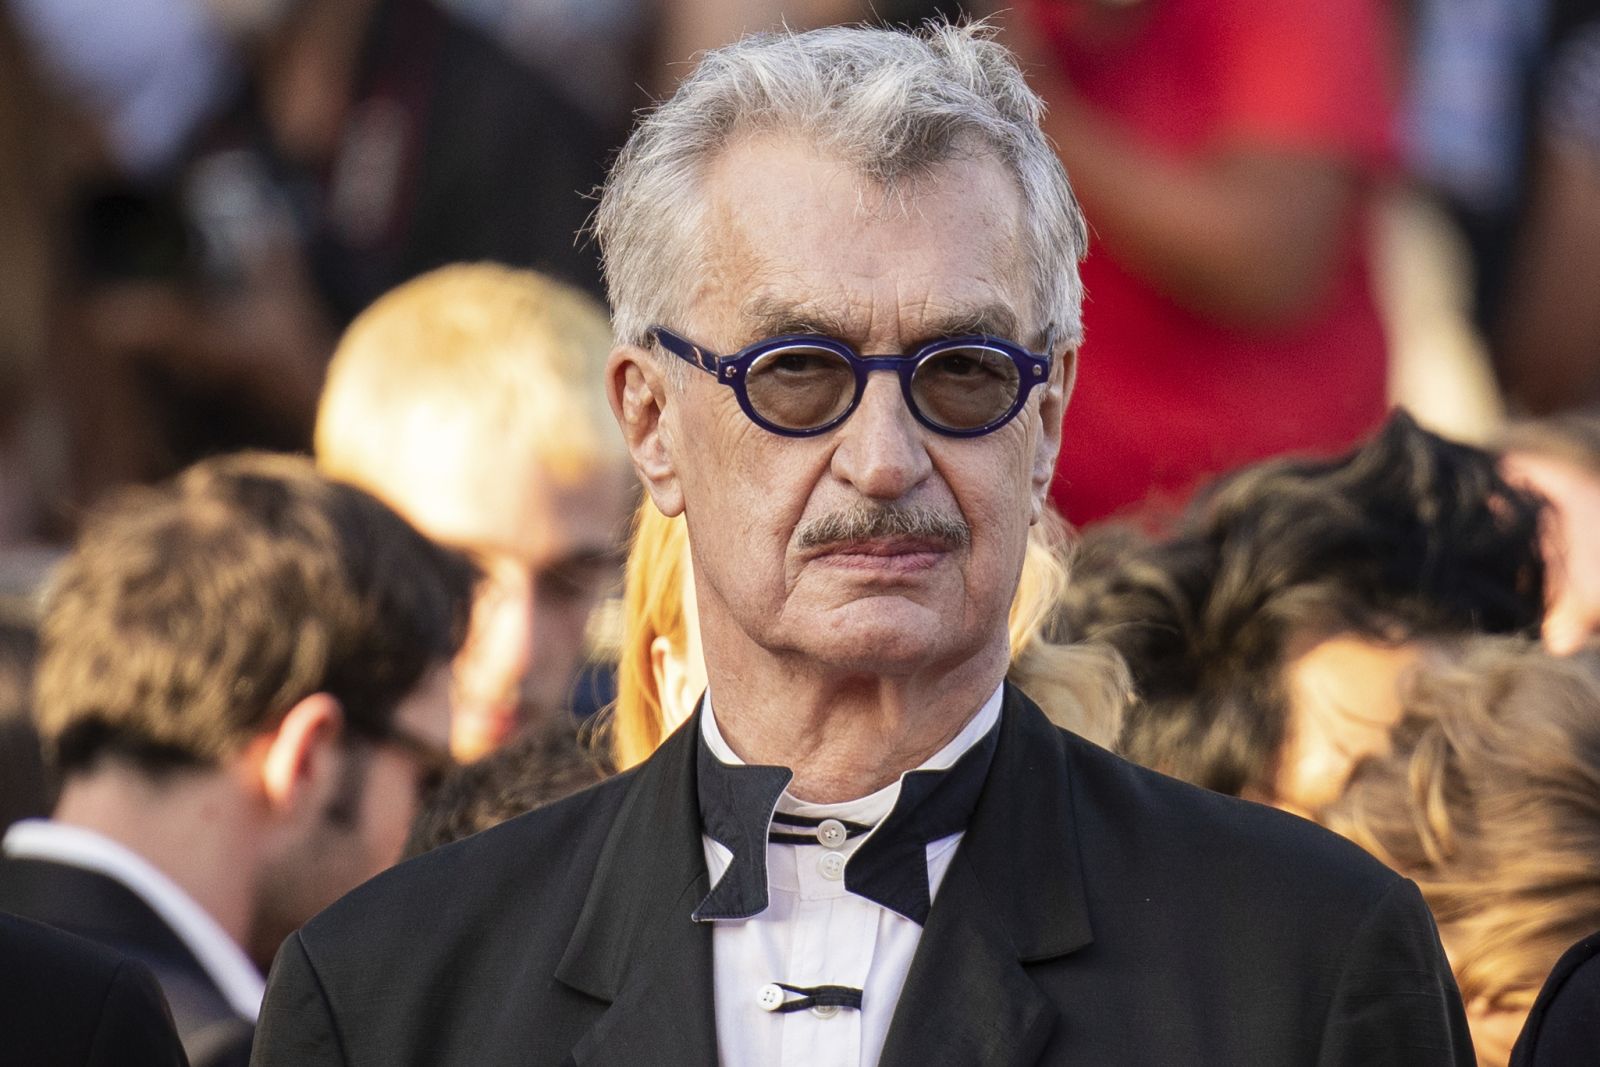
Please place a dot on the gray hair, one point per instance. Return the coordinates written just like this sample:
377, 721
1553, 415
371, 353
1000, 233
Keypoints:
890, 103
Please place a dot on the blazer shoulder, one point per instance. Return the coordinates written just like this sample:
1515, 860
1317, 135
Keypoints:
1565, 1019
65, 999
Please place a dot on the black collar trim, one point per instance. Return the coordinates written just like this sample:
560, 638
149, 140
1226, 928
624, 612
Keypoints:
738, 805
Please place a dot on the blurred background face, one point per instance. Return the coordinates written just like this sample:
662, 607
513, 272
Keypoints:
548, 550
1495, 1031
360, 831
400, 774
1343, 697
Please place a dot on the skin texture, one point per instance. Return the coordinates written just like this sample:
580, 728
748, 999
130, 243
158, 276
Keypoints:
854, 663
548, 550
1344, 698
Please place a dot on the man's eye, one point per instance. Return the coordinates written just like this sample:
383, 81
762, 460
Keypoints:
957, 365
576, 582
802, 363
960, 363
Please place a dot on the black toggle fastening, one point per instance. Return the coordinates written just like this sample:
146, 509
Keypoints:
819, 996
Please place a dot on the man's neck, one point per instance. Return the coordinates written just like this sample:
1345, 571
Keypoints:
848, 736
193, 828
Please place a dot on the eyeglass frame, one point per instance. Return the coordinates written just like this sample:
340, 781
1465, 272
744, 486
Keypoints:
1032, 370
433, 761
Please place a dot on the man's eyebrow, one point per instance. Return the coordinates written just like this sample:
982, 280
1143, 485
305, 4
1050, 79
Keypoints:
587, 557
993, 320
771, 317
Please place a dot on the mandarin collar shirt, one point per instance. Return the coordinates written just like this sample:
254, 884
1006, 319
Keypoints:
814, 932
224, 961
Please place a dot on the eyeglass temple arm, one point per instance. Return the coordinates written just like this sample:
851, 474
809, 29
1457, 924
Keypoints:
685, 350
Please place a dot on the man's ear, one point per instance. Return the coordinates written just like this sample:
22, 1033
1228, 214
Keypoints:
302, 757
640, 395
671, 676
1052, 408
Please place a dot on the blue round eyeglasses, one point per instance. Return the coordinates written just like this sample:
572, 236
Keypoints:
801, 385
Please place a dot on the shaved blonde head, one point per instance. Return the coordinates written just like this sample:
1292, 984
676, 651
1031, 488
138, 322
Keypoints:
494, 358
472, 400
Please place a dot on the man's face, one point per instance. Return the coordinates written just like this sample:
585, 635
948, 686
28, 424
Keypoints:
801, 244
358, 828
548, 550
400, 773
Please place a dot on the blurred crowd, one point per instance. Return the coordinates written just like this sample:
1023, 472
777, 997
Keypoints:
288, 281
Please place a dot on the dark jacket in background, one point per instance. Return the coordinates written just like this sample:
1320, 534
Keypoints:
1095, 913
66, 1002
1563, 1027
102, 909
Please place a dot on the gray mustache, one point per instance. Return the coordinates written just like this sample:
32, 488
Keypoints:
869, 522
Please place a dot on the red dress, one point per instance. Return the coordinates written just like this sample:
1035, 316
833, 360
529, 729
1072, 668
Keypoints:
1165, 396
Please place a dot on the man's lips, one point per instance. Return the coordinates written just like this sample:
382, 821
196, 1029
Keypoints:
891, 554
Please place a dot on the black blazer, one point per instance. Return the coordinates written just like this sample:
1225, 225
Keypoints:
102, 909
67, 1002
1096, 913
1563, 1026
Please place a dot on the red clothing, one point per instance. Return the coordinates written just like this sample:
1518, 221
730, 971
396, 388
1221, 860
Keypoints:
1166, 397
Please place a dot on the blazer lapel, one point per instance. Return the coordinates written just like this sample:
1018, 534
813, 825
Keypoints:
635, 945
1013, 896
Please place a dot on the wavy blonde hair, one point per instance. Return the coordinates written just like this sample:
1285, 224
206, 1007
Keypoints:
1490, 801
652, 606
1082, 687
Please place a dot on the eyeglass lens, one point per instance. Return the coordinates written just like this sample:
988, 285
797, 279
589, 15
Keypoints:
801, 387
965, 388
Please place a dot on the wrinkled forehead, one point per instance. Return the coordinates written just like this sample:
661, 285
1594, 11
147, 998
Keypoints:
797, 241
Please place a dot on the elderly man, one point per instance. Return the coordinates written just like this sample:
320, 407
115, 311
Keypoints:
843, 271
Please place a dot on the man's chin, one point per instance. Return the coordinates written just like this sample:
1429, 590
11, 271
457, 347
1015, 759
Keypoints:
888, 634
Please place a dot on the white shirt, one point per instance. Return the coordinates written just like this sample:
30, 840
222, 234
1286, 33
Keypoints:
813, 932
223, 960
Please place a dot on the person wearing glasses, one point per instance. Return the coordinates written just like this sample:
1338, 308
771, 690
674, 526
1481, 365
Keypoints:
243, 684
842, 268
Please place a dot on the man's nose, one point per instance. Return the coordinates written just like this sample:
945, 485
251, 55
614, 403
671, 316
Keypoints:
882, 450
510, 630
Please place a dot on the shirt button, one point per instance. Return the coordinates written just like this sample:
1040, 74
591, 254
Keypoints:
769, 997
831, 833
825, 1011
831, 866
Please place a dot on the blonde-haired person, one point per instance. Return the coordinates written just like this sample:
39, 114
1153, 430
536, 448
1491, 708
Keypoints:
472, 400
1490, 801
661, 670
